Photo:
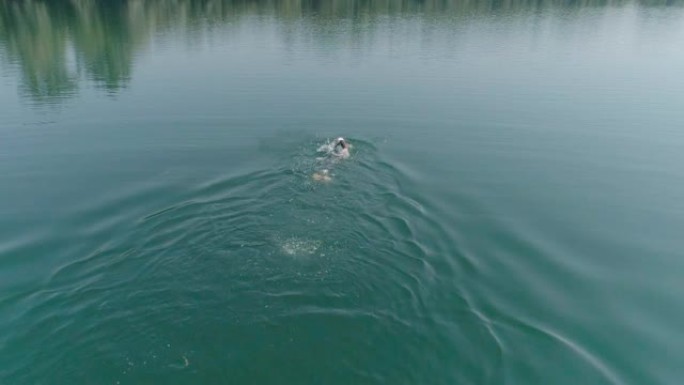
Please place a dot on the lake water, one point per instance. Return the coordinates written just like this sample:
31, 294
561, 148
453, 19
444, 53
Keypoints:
512, 211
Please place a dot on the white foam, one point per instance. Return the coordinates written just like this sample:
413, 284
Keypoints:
327, 148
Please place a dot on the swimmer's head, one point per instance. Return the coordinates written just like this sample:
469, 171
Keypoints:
340, 142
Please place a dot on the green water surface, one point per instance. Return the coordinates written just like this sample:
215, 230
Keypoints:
512, 211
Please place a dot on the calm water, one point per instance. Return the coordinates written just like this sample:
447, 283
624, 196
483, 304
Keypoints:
512, 211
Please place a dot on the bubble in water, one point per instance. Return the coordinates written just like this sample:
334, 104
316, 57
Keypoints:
298, 247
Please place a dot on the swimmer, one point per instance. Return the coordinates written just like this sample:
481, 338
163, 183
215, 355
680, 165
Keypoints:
341, 148
322, 176
335, 151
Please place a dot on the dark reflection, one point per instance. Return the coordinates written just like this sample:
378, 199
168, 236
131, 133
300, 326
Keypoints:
35, 36
55, 43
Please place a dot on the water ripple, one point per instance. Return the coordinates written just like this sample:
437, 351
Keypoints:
259, 248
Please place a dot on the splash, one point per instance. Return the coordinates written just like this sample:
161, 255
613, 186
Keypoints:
331, 148
327, 148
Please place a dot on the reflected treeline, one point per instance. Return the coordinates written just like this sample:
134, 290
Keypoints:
56, 43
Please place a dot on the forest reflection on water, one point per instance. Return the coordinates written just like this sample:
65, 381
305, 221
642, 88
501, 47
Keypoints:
57, 44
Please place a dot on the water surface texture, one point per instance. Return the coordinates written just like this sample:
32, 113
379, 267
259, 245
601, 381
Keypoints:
511, 212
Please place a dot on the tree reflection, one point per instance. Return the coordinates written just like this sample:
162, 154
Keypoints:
57, 43
36, 38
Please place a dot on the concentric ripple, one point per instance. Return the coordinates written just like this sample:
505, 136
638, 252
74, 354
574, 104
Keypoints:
266, 265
